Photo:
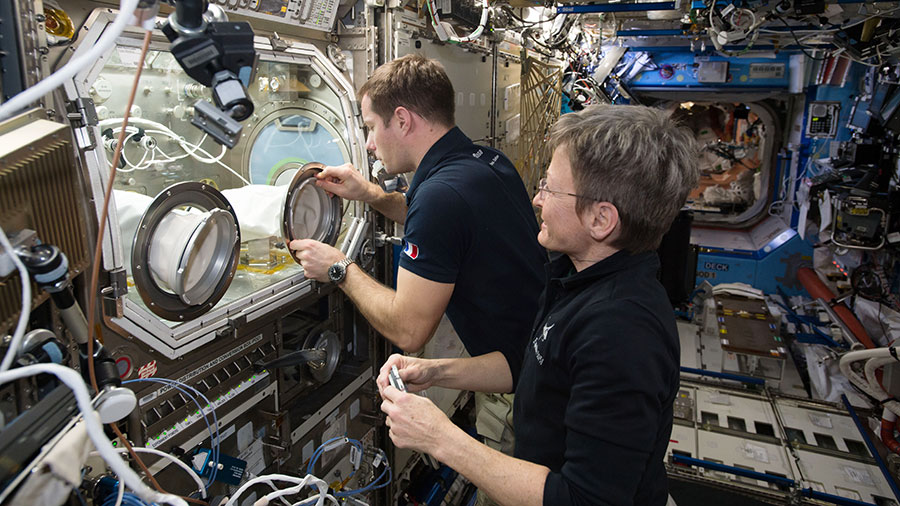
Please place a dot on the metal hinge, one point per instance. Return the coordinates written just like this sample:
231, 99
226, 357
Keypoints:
118, 281
82, 118
113, 295
232, 326
278, 44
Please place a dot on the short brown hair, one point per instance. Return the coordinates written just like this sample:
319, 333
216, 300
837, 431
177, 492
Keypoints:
637, 159
414, 82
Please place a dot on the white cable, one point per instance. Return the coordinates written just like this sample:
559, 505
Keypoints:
199, 143
712, 23
872, 365
299, 482
19, 102
140, 165
13, 351
811, 32
155, 148
263, 479
179, 157
272, 484
125, 158
120, 495
286, 491
95, 431
167, 158
743, 11
185, 145
219, 162
205, 152
319, 500
751, 31
439, 29
485, 9
132, 120
162, 129
171, 458
868, 18
855, 356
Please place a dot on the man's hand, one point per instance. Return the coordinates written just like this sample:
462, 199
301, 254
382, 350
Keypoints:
346, 182
315, 257
417, 373
414, 421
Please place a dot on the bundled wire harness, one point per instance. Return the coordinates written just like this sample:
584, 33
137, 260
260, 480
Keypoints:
445, 31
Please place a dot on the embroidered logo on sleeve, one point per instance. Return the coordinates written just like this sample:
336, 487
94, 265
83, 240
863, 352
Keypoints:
411, 250
540, 339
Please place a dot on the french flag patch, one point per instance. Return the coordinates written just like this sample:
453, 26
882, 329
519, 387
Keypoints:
411, 250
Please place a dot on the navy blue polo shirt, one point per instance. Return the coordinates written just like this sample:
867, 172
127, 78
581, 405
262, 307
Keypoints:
470, 222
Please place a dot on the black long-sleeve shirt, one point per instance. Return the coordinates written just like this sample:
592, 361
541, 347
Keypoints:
594, 398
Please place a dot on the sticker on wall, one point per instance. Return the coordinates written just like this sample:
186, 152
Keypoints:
254, 458
336, 428
245, 437
147, 370
721, 399
755, 452
859, 476
308, 450
823, 420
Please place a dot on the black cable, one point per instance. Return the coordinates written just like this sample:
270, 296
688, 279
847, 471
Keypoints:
65, 42
539, 43
791, 29
526, 24
885, 401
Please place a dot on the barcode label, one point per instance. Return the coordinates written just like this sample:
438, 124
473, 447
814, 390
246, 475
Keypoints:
766, 70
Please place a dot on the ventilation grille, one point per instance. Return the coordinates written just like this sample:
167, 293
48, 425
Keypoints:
40, 189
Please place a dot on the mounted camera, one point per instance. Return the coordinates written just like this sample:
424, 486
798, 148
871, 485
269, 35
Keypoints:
214, 52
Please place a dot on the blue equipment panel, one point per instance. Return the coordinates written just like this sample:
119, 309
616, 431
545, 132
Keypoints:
765, 270
725, 267
679, 70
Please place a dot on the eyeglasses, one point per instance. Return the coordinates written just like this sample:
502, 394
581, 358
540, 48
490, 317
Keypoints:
542, 187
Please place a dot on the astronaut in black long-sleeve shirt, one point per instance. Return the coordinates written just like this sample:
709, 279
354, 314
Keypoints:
593, 408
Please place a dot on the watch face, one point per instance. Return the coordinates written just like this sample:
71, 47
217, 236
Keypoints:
335, 273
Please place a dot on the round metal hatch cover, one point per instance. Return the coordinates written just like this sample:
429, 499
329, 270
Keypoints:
309, 212
330, 342
186, 251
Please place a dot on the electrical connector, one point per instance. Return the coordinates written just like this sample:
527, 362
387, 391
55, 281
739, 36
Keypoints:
24, 237
444, 31
6, 264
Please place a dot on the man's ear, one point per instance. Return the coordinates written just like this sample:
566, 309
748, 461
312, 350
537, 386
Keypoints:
601, 220
404, 118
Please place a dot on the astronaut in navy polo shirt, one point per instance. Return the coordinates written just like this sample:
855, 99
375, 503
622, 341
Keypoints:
470, 245
593, 404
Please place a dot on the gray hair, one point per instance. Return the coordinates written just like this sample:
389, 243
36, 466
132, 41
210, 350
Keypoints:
637, 159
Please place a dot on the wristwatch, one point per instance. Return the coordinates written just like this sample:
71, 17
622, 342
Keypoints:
338, 271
